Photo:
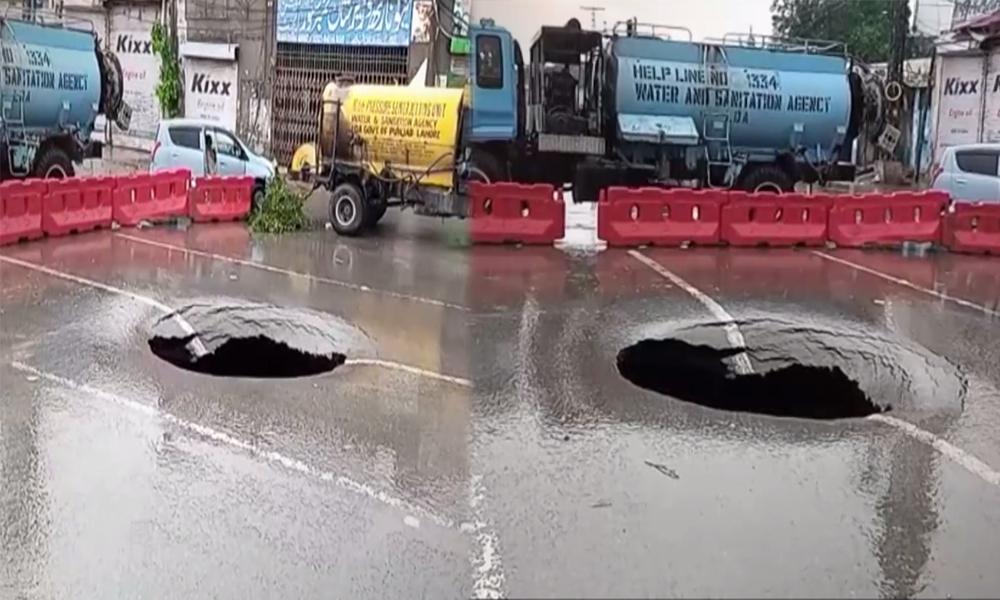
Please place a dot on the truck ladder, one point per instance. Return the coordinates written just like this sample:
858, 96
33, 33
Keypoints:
716, 132
13, 123
716, 129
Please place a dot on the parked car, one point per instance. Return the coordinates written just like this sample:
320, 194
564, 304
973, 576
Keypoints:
969, 172
182, 143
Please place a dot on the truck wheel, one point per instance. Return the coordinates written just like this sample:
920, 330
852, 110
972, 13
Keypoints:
53, 163
376, 211
486, 164
767, 179
348, 210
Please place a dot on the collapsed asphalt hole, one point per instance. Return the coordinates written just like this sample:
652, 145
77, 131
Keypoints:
256, 356
240, 339
700, 375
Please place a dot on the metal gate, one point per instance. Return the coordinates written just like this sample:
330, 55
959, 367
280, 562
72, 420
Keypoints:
303, 70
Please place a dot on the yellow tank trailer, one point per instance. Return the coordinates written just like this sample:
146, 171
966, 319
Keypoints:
386, 146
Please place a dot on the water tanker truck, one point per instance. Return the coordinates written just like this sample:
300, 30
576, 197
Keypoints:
55, 80
634, 108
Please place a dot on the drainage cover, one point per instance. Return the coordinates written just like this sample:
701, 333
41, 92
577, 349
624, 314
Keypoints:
703, 375
254, 340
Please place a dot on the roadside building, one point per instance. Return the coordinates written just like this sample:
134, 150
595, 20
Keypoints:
226, 51
967, 77
319, 41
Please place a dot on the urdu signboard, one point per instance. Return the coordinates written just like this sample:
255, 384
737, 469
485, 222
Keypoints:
346, 22
969, 10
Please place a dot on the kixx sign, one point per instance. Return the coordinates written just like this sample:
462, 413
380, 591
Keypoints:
203, 83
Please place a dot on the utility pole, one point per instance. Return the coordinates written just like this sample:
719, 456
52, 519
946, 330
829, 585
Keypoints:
899, 18
593, 10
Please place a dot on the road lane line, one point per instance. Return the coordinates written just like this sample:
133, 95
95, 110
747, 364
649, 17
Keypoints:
905, 283
963, 458
733, 334
270, 456
279, 270
388, 364
196, 344
956, 454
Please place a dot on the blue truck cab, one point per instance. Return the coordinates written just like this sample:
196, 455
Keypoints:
494, 81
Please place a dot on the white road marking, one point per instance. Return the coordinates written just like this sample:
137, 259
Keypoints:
733, 334
959, 456
963, 458
909, 284
270, 456
387, 364
270, 269
196, 345
487, 566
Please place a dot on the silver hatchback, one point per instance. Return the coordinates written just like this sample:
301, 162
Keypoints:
205, 147
970, 172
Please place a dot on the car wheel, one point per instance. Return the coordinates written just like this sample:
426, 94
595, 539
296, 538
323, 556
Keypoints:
257, 200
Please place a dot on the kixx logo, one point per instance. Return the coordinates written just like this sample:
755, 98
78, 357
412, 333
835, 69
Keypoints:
954, 86
130, 45
202, 84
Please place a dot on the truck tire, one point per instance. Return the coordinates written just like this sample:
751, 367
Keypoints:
766, 179
488, 165
348, 210
376, 210
53, 163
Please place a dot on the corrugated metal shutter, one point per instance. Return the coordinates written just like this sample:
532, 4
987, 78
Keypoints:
303, 70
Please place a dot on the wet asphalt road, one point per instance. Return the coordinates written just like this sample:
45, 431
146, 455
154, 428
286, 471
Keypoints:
484, 443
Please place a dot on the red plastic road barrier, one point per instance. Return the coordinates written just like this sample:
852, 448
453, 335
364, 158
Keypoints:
659, 217
21, 210
220, 198
76, 205
151, 196
887, 220
775, 220
973, 228
517, 213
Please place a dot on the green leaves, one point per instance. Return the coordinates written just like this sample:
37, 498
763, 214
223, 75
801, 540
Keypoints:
168, 89
281, 211
864, 25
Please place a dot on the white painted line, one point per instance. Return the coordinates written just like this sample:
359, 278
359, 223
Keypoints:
376, 362
963, 458
909, 284
486, 564
733, 334
270, 269
219, 437
196, 344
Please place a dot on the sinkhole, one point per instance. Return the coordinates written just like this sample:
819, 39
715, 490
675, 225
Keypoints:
240, 339
705, 376
256, 356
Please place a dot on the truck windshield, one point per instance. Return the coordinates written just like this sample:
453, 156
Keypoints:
489, 62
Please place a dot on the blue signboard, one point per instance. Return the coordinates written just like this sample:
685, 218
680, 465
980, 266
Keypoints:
349, 22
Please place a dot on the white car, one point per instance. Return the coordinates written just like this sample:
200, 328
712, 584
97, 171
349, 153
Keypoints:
970, 172
182, 143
